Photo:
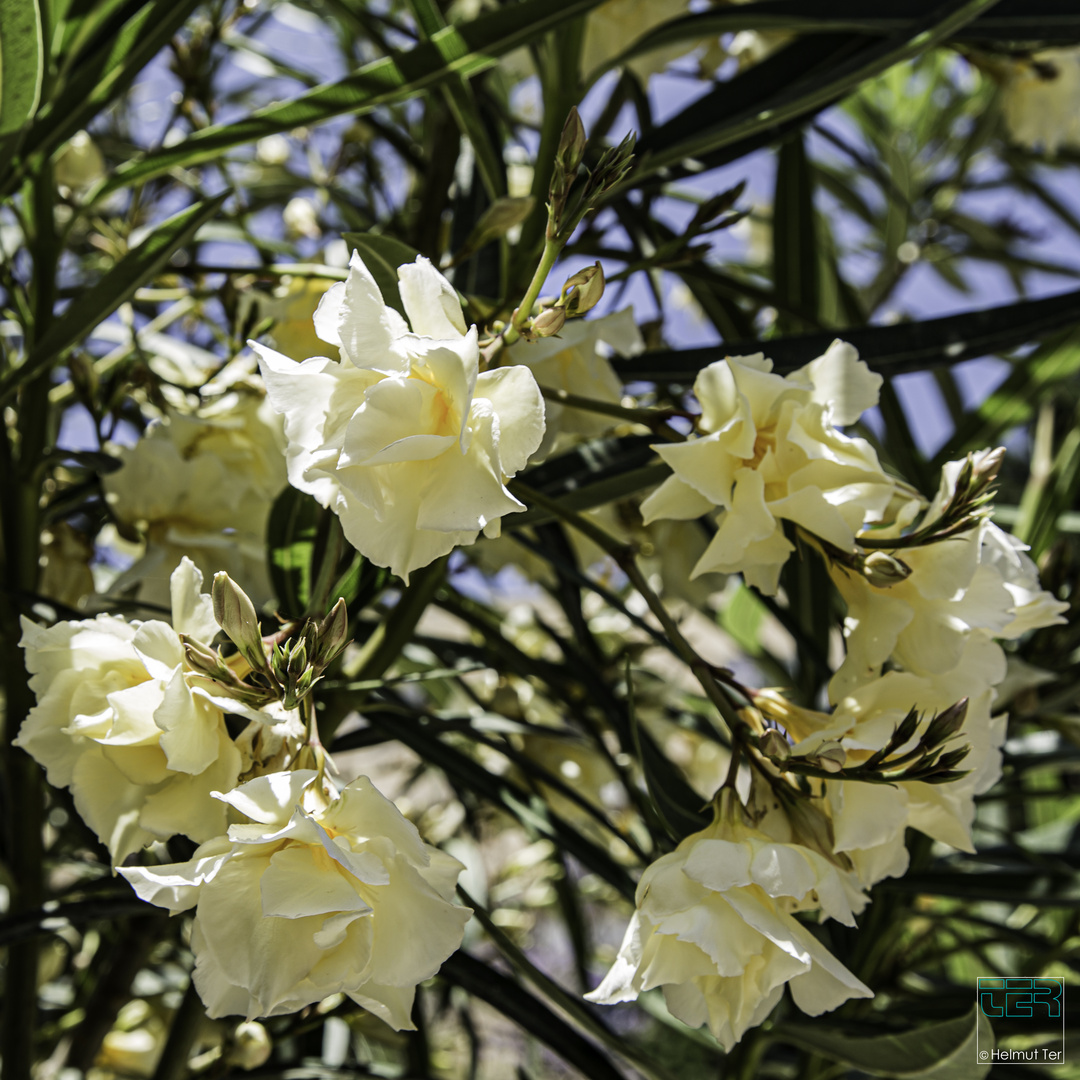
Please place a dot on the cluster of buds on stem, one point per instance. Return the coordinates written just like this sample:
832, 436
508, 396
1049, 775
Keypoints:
266, 670
570, 200
973, 494
927, 760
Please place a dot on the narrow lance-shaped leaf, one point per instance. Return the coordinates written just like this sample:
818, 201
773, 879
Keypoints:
464, 50
952, 1050
802, 97
21, 62
95, 305
888, 349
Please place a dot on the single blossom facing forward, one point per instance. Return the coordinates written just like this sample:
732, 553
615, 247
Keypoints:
404, 438
714, 927
770, 452
312, 897
119, 721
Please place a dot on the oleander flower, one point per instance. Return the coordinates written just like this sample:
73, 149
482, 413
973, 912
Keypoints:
202, 485
574, 361
771, 453
714, 927
1040, 99
869, 820
119, 722
312, 897
978, 583
404, 438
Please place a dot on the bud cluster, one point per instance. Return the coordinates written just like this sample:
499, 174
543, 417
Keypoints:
927, 760
285, 672
570, 200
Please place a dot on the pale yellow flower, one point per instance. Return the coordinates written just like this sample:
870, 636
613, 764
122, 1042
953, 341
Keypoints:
404, 438
202, 485
312, 898
574, 361
714, 928
771, 452
120, 722
1040, 99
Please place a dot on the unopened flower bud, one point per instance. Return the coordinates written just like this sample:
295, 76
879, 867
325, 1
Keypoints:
235, 614
588, 288
883, 570
549, 322
831, 757
985, 465
571, 151
251, 1046
773, 745
333, 635
946, 724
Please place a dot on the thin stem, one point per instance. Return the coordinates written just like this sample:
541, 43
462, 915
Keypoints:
524, 310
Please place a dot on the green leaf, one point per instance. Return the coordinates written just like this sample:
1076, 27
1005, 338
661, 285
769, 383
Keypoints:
767, 97
290, 541
469, 775
1015, 400
794, 234
891, 350
100, 77
97, 303
951, 1050
517, 1004
382, 255
21, 63
466, 49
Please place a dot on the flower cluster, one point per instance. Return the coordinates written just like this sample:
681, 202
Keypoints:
314, 892
928, 589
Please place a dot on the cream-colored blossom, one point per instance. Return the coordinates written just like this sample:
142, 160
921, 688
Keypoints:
202, 485
574, 361
978, 583
869, 820
404, 438
771, 452
714, 927
119, 721
312, 898
1040, 99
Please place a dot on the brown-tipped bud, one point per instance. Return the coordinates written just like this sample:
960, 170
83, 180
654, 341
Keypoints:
333, 635
946, 724
571, 151
883, 570
549, 322
773, 745
588, 288
831, 757
235, 614
985, 466
201, 658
